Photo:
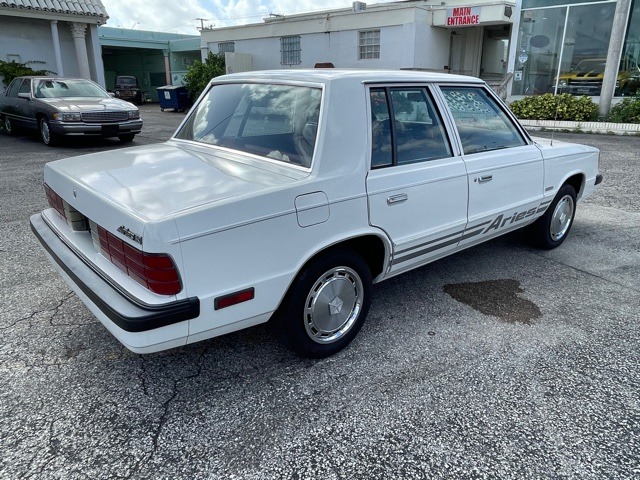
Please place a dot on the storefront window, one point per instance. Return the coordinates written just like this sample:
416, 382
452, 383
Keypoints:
629, 73
563, 49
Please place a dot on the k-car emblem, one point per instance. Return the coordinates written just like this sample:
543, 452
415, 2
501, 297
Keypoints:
128, 233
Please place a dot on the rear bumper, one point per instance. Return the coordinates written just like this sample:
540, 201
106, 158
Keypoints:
107, 130
141, 328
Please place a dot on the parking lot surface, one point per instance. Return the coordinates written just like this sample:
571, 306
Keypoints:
499, 362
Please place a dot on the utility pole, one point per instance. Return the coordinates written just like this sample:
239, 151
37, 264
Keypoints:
202, 20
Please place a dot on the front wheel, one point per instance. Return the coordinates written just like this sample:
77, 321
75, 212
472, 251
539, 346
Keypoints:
127, 137
326, 305
48, 137
550, 230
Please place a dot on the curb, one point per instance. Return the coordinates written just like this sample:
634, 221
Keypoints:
583, 127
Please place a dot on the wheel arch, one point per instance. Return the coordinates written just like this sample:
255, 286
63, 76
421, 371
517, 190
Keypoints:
577, 181
374, 248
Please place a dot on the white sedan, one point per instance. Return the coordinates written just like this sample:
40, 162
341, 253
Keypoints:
284, 195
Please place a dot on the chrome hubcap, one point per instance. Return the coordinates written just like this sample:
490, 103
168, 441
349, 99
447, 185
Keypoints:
561, 219
333, 305
44, 131
7, 125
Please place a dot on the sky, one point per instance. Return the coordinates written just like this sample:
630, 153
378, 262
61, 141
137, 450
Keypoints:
179, 16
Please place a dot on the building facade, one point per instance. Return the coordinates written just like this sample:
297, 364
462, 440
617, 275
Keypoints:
154, 58
462, 36
61, 37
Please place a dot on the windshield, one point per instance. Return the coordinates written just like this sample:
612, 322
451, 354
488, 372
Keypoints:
591, 66
129, 81
68, 88
274, 121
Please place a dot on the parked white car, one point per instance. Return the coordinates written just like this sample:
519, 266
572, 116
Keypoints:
284, 195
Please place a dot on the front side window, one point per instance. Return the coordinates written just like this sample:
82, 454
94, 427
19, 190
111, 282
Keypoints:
279, 122
25, 87
368, 44
416, 133
290, 50
482, 124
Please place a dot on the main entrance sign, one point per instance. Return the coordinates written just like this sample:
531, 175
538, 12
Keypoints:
463, 16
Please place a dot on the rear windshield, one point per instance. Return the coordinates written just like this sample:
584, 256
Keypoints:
279, 122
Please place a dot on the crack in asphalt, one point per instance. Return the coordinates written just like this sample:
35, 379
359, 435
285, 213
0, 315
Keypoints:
30, 317
175, 391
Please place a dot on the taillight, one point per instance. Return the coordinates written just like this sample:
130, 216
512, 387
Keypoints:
76, 220
155, 271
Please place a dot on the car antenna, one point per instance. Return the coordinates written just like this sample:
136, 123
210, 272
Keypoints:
555, 119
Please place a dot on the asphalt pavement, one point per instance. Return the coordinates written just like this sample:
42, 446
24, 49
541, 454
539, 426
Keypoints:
499, 362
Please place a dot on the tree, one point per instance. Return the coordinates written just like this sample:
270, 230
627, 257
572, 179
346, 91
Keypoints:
200, 73
13, 69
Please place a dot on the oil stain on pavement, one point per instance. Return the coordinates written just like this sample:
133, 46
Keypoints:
498, 298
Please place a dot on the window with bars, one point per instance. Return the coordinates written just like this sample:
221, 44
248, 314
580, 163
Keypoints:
369, 44
290, 50
224, 47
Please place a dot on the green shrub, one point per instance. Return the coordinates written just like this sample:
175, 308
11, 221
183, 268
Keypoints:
627, 111
200, 73
11, 70
555, 107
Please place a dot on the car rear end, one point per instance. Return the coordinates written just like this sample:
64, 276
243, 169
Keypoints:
124, 267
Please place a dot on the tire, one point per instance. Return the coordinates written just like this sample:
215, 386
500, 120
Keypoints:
48, 137
9, 127
127, 137
326, 305
550, 230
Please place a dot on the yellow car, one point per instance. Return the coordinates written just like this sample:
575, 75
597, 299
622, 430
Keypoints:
586, 78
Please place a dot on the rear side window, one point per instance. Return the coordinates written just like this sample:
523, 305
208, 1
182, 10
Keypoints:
12, 91
481, 123
416, 133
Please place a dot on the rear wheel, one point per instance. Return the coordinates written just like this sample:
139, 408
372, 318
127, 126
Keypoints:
327, 304
9, 127
49, 138
127, 137
550, 230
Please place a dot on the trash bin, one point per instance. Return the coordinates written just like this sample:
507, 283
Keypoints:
173, 96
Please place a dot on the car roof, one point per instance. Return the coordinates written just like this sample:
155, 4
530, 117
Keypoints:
328, 75
45, 77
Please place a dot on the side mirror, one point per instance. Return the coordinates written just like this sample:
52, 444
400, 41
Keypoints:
112, 95
26, 96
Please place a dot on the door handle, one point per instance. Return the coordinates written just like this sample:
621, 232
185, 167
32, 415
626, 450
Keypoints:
484, 179
402, 197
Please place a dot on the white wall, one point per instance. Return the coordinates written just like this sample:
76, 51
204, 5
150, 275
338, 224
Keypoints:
31, 39
411, 45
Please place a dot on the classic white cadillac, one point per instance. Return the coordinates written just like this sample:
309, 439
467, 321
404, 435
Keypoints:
284, 195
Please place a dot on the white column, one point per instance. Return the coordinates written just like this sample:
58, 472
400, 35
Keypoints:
167, 67
56, 47
618, 30
97, 55
78, 33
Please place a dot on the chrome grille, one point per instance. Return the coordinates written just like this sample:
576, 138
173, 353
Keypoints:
100, 117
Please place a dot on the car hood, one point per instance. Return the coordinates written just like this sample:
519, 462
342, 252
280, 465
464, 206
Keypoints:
80, 104
156, 181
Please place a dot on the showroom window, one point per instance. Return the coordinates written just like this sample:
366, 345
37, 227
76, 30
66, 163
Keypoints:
563, 48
